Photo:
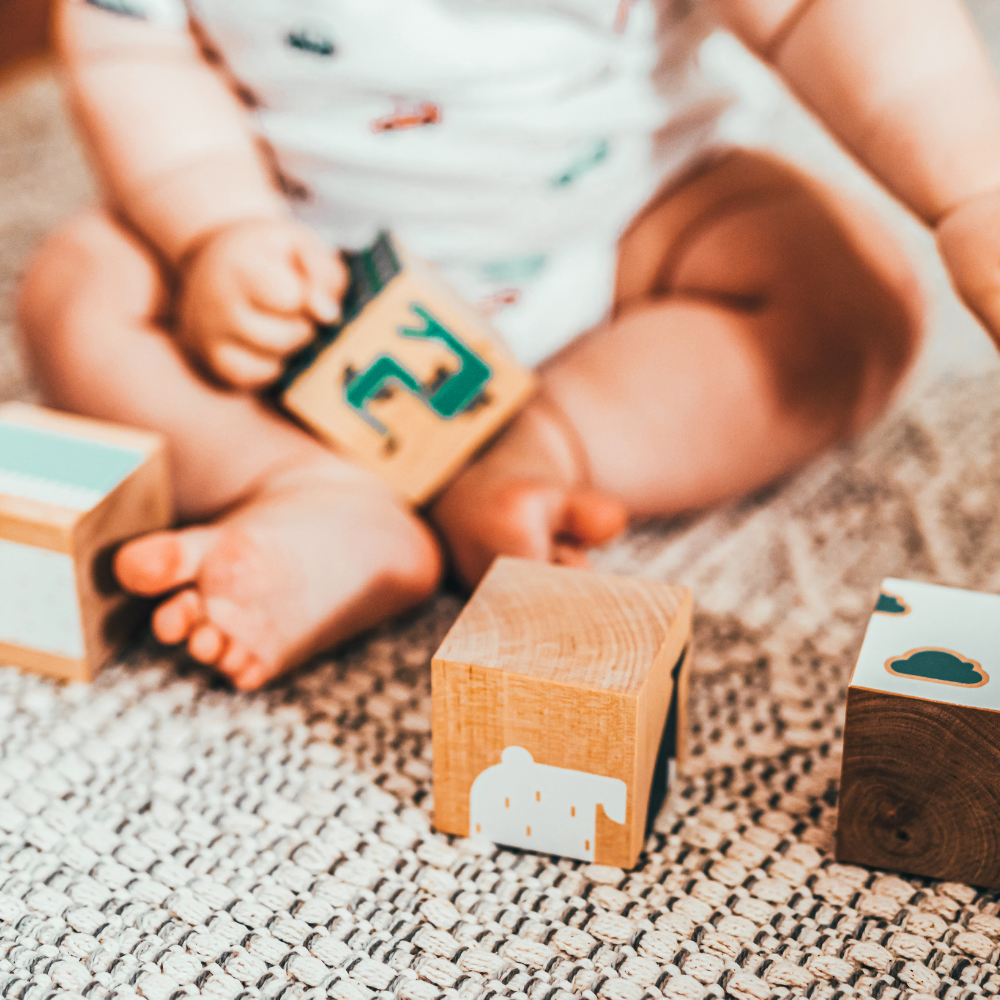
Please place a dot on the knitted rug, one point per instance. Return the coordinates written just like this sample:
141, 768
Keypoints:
163, 836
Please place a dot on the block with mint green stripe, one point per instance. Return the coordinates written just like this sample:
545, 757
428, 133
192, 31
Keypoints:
62, 469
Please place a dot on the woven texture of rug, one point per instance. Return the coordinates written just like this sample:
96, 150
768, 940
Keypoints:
163, 836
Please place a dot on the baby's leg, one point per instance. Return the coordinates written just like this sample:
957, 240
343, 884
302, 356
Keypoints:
302, 549
760, 317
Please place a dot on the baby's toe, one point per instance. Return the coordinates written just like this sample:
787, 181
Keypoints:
176, 618
236, 659
207, 644
591, 518
162, 560
255, 674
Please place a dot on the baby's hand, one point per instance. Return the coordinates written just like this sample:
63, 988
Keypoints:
250, 297
969, 240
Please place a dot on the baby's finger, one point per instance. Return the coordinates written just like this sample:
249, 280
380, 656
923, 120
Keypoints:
325, 278
269, 334
242, 368
273, 286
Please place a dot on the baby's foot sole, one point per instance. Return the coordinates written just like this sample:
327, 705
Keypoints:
307, 563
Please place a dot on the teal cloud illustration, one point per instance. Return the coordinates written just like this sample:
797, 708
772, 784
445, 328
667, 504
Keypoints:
942, 666
890, 604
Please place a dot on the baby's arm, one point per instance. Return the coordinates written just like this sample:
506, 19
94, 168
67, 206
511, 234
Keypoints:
179, 164
907, 86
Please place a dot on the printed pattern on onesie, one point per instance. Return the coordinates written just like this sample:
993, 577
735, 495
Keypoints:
510, 141
169, 13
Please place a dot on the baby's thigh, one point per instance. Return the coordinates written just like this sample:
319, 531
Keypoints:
749, 224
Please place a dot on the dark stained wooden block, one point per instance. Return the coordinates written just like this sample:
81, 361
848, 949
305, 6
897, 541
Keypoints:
920, 786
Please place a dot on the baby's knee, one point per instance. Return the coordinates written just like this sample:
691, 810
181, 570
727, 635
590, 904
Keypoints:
853, 335
87, 278
898, 317
890, 334
51, 287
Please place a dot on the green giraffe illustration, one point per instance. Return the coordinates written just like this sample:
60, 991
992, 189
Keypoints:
449, 399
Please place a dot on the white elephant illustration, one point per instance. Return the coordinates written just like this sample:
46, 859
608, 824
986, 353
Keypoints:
542, 808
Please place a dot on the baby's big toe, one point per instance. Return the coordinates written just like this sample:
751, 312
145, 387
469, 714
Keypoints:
591, 518
175, 619
162, 560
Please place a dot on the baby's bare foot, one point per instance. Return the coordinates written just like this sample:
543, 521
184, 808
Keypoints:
316, 555
527, 496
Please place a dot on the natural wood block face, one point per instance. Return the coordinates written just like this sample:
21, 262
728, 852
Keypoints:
550, 695
71, 490
414, 383
920, 787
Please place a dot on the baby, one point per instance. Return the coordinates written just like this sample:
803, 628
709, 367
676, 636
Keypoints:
559, 160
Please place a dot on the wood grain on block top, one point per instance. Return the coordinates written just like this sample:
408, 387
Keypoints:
933, 642
572, 626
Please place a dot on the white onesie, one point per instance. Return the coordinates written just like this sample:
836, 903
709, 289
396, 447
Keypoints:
509, 141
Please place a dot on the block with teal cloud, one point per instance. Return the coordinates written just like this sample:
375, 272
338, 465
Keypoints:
942, 666
890, 604
921, 762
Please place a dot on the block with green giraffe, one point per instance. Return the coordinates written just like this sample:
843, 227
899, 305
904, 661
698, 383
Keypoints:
412, 381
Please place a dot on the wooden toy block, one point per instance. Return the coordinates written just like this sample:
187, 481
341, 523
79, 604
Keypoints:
559, 696
71, 490
920, 787
412, 383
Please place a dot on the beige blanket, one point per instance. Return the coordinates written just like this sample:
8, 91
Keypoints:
161, 835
